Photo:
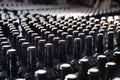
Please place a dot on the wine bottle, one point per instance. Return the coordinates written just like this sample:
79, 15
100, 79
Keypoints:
46, 35
110, 70
75, 34
36, 40
93, 74
59, 32
70, 31
54, 30
101, 62
77, 53
33, 35
11, 63
50, 38
15, 34
117, 40
56, 48
49, 54
25, 45
93, 34
77, 48
20, 47
51, 74
86, 31
41, 54
116, 56
82, 37
100, 44
64, 34
110, 48
3, 43
83, 68
29, 33
62, 51
40, 74
69, 43
65, 69
89, 45
3, 56
31, 58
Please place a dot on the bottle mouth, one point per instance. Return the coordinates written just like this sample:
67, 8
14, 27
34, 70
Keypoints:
83, 60
93, 71
40, 72
117, 78
70, 76
110, 64
65, 65
101, 56
20, 79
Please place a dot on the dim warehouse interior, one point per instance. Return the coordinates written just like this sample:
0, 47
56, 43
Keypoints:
59, 39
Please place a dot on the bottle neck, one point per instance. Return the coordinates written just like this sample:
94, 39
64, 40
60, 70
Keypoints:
77, 48
118, 39
110, 40
49, 55
89, 46
62, 51
100, 44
